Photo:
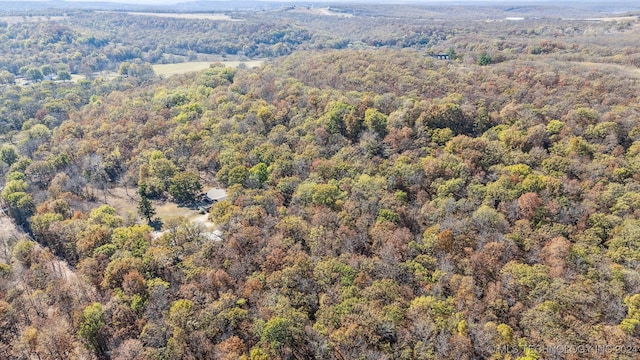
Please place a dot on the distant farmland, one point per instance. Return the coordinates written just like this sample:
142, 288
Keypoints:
214, 17
182, 68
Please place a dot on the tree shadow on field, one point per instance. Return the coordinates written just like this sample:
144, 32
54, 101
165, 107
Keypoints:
156, 224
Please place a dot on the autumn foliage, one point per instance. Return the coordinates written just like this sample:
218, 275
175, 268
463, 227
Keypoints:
381, 204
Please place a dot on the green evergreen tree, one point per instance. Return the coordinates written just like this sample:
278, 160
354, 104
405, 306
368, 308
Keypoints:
484, 59
145, 208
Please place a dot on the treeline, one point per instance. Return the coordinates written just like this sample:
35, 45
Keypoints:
85, 42
382, 204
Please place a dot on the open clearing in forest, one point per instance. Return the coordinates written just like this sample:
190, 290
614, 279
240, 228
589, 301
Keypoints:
194, 16
319, 11
125, 201
186, 67
175, 69
180, 68
620, 18
166, 210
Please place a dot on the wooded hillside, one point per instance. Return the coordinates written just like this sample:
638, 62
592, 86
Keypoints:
382, 204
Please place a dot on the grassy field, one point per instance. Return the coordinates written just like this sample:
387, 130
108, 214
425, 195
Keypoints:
214, 17
125, 201
621, 18
182, 68
319, 12
179, 68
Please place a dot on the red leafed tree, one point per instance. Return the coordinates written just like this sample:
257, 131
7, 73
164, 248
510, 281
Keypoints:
528, 204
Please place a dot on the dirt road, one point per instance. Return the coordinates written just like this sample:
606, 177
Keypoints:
9, 234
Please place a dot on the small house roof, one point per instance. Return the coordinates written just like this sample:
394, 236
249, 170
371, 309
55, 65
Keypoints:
216, 194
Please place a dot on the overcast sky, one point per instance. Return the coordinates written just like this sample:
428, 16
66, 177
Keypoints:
169, 2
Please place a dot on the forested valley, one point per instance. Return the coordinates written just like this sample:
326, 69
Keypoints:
382, 203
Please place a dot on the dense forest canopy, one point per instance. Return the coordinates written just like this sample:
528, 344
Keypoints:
381, 203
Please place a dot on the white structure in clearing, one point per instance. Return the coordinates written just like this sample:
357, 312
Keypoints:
215, 195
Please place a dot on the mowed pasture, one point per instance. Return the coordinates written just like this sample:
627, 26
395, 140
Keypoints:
192, 66
195, 16
319, 11
621, 18
167, 70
